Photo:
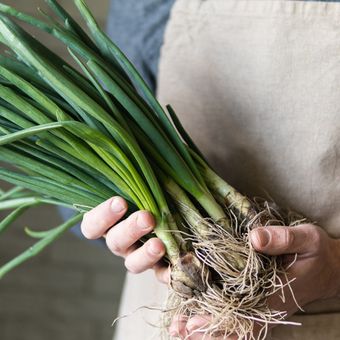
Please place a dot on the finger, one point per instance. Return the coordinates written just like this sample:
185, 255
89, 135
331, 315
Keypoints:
162, 272
277, 240
126, 233
178, 326
98, 220
146, 256
196, 327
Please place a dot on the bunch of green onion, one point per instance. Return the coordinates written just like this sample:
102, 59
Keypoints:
77, 138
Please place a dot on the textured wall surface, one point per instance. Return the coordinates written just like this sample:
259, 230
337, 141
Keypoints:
72, 290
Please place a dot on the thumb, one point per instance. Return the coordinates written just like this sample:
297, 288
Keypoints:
277, 240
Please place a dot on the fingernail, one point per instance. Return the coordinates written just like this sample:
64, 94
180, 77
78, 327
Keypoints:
142, 222
262, 237
117, 205
154, 249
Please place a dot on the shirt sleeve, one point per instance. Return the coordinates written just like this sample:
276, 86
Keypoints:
137, 27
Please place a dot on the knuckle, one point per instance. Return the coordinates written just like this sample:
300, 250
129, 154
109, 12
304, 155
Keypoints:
133, 233
288, 237
114, 246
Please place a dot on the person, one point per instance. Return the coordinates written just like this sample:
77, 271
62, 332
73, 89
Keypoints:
255, 83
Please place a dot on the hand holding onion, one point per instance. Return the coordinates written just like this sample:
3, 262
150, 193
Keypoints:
77, 137
315, 270
123, 238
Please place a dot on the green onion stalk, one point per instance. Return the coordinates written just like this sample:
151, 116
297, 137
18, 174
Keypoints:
80, 135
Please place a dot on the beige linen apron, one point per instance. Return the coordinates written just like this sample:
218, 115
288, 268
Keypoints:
257, 85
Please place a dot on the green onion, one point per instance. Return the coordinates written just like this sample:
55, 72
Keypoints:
79, 138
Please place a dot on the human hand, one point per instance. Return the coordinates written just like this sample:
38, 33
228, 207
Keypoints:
123, 235
316, 272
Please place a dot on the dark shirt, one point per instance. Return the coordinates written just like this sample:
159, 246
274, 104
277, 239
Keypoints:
137, 27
